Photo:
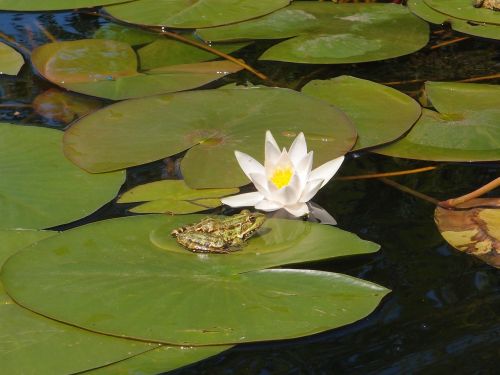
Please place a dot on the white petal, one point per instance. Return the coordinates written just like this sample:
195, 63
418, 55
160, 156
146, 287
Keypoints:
304, 169
320, 214
261, 184
267, 205
297, 209
272, 151
298, 149
310, 190
248, 164
326, 171
243, 200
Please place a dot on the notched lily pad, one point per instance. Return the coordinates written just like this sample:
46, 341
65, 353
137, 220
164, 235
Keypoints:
474, 228
212, 124
174, 197
327, 33
380, 113
466, 128
11, 61
109, 69
192, 14
233, 291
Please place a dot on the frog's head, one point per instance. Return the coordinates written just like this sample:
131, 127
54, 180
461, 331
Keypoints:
257, 220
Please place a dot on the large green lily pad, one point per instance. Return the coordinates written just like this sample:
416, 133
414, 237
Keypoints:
466, 128
39, 188
30, 5
11, 61
328, 33
33, 344
173, 197
108, 69
110, 277
211, 124
192, 14
465, 10
474, 228
159, 360
485, 30
380, 113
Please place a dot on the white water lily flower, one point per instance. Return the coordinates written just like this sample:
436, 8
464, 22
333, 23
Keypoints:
285, 180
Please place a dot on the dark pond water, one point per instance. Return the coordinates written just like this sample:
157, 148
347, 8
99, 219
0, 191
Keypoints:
442, 316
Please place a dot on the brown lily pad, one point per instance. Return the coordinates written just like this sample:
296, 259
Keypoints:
473, 227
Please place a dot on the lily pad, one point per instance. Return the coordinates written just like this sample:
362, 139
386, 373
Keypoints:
467, 128
30, 5
473, 228
192, 14
164, 52
185, 298
108, 69
129, 35
380, 113
62, 106
39, 188
33, 344
174, 197
211, 124
465, 10
456, 97
485, 30
160, 360
11, 61
327, 33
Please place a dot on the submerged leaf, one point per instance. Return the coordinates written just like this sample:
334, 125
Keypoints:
39, 187
380, 113
168, 288
192, 14
326, 33
62, 106
212, 124
475, 231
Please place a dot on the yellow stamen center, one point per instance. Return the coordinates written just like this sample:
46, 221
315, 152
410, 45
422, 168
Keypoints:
281, 177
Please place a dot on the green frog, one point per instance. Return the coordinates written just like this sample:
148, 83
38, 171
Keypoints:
488, 4
219, 235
